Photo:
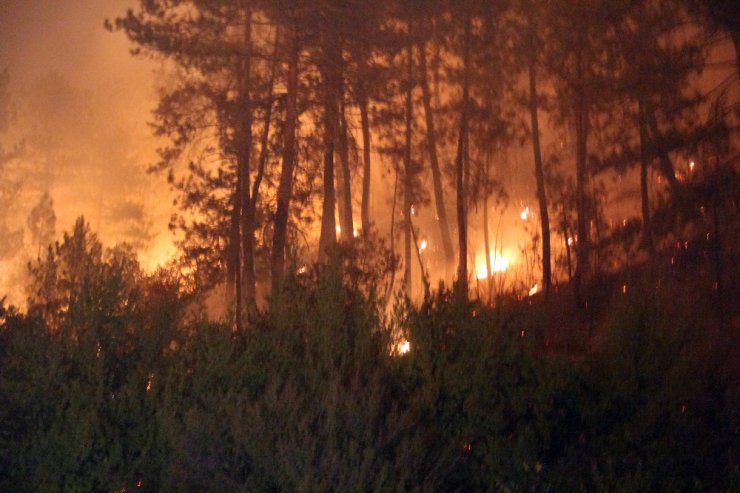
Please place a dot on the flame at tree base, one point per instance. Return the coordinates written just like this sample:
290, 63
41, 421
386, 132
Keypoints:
499, 263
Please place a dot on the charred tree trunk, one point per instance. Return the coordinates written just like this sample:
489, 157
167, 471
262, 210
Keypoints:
332, 84
431, 141
344, 179
539, 171
233, 266
366, 165
568, 257
407, 167
249, 219
285, 187
243, 148
735, 35
647, 237
487, 246
581, 127
658, 142
460, 161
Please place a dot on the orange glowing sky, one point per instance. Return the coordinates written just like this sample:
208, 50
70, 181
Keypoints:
99, 138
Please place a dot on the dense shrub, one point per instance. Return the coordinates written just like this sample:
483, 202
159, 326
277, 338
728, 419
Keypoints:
112, 387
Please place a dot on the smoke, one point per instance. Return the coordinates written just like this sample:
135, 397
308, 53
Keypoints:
74, 117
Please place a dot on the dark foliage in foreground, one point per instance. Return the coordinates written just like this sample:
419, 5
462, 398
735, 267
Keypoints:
113, 386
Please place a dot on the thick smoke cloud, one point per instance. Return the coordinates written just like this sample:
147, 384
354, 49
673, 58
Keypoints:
74, 109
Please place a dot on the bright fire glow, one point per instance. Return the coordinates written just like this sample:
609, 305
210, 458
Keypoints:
691, 165
524, 214
339, 229
423, 245
498, 264
535, 289
355, 233
162, 252
404, 347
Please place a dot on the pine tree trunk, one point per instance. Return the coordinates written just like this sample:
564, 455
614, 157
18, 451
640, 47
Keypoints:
344, 179
647, 238
331, 87
407, 168
540, 174
366, 170
581, 120
461, 159
735, 35
285, 187
568, 257
431, 141
487, 246
245, 291
250, 281
243, 156
666, 166
233, 266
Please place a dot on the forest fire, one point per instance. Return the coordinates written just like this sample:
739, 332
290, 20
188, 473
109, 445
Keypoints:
323, 245
498, 263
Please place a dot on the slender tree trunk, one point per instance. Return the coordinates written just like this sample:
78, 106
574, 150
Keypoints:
664, 160
460, 161
249, 219
647, 237
583, 241
332, 86
487, 245
243, 156
393, 230
344, 179
716, 190
233, 266
568, 258
363, 101
285, 187
245, 153
539, 172
431, 141
407, 166
366, 165
735, 35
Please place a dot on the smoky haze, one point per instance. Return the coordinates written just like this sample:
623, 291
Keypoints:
78, 107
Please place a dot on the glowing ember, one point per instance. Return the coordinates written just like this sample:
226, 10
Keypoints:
570, 241
302, 270
535, 289
423, 245
339, 229
624, 288
691, 165
524, 214
355, 233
